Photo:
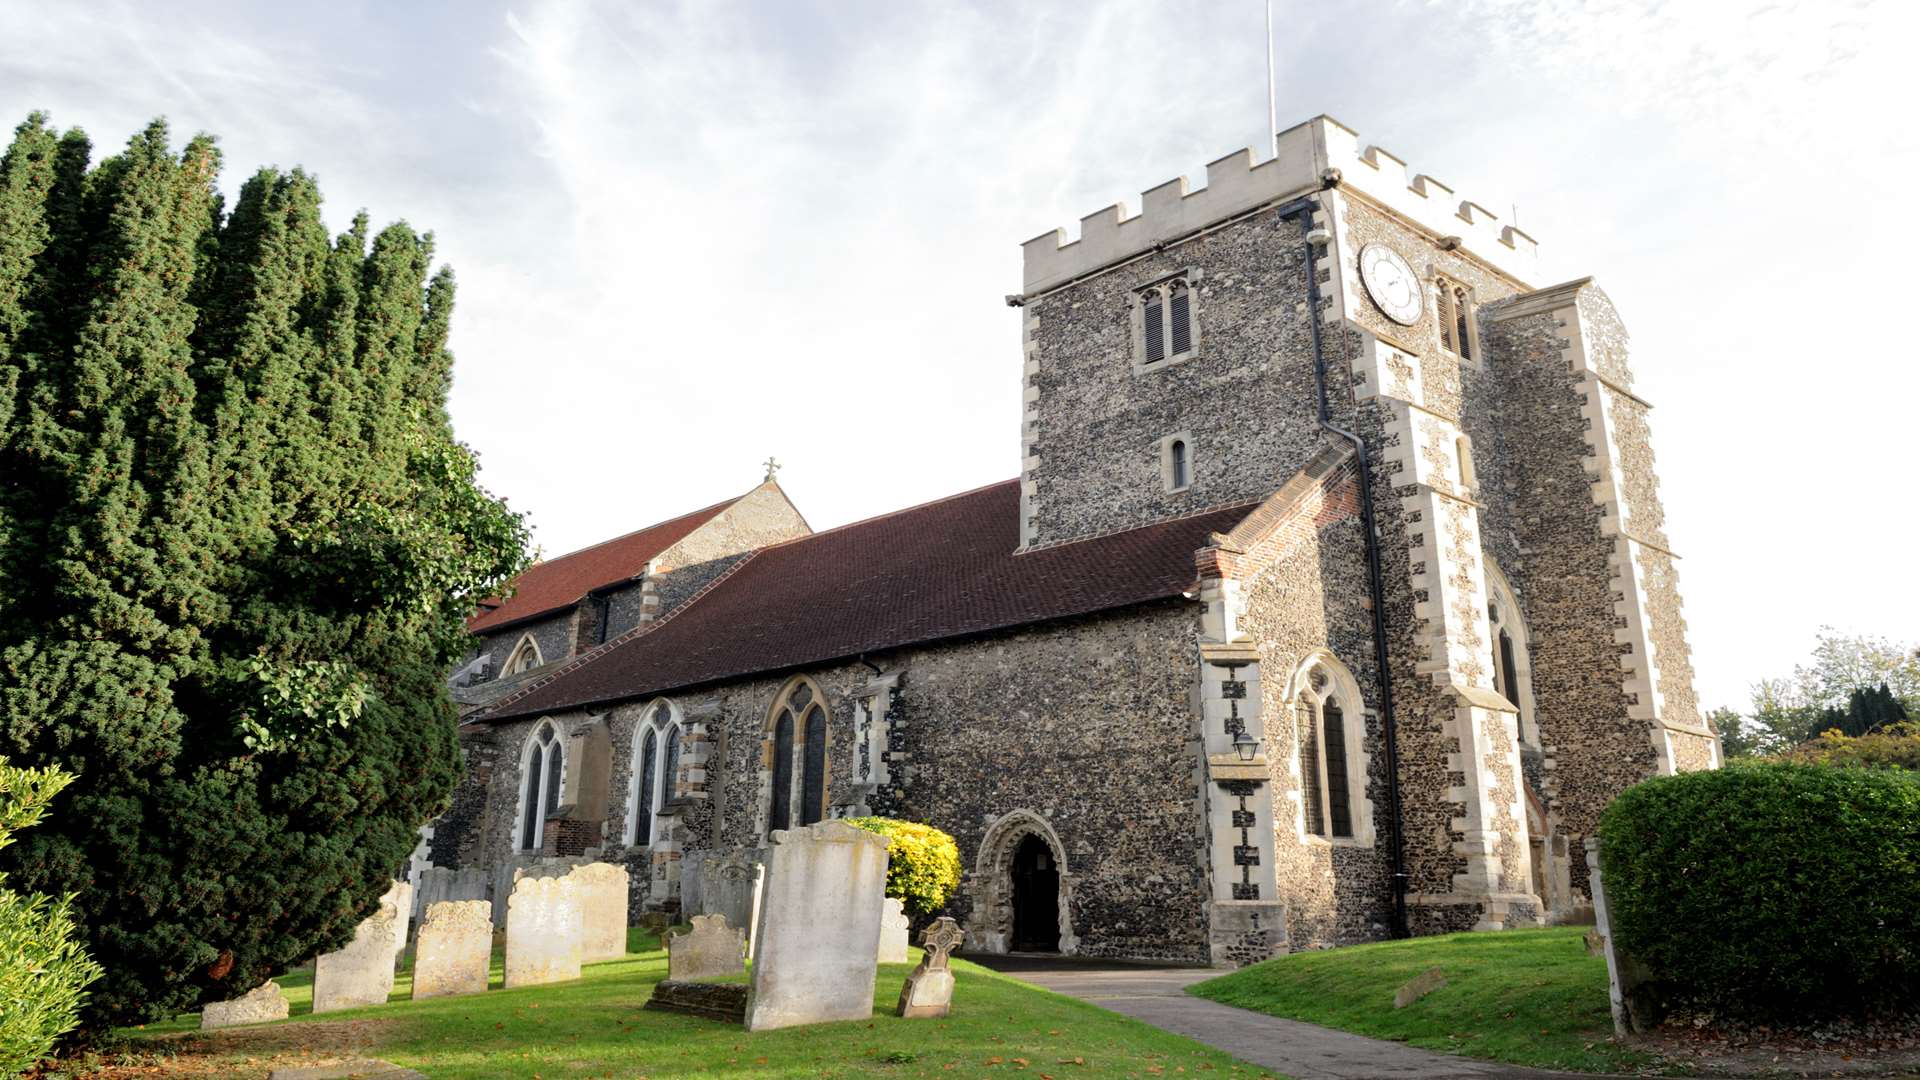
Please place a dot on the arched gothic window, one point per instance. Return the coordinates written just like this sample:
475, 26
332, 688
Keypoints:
1456, 318
1164, 326
1177, 452
1512, 667
1332, 759
656, 757
541, 774
525, 656
799, 758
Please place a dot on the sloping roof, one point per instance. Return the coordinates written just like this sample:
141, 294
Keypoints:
557, 584
944, 569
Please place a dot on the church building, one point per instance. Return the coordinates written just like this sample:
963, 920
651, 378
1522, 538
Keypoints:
1331, 602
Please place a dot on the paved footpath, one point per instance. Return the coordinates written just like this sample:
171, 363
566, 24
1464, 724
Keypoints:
1306, 1051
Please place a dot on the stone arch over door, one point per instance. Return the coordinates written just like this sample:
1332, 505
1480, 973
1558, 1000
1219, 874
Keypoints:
990, 885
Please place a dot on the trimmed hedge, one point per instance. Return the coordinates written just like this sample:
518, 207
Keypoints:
1769, 892
924, 863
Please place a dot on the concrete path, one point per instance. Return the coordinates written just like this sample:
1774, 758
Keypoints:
1306, 1051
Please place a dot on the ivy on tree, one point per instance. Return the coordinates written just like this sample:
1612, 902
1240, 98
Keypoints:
239, 541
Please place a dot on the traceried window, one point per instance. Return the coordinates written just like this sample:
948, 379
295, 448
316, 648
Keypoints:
799, 753
1332, 752
541, 776
526, 656
1456, 319
656, 760
1164, 325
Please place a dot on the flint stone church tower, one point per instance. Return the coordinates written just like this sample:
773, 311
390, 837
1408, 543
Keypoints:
1332, 601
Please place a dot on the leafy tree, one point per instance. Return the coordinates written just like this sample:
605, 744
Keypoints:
923, 863
239, 540
1790, 711
43, 970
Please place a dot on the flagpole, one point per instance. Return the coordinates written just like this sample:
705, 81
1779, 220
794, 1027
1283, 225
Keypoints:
1273, 106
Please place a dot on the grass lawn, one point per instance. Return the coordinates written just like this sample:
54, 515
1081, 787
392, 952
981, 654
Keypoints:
1530, 997
595, 1028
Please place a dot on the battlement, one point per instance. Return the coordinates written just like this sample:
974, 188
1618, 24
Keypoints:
1235, 184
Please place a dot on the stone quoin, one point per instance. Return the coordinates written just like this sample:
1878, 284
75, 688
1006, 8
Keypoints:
1314, 476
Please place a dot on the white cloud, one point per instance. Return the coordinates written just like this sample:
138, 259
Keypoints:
690, 234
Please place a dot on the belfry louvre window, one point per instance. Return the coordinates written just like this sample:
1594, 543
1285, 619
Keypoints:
1165, 327
1456, 318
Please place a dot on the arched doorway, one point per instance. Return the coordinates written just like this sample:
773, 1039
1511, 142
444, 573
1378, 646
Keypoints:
1036, 897
1020, 890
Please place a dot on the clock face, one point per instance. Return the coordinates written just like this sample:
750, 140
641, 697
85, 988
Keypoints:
1391, 283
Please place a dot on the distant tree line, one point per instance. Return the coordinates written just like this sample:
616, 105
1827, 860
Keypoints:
1854, 684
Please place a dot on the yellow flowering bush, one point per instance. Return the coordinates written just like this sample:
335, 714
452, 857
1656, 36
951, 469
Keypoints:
924, 863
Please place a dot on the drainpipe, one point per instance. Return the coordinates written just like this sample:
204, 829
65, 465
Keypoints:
1303, 208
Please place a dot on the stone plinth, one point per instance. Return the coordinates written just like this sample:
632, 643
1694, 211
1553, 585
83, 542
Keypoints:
362, 973
716, 1001
454, 950
929, 989
894, 931
819, 926
545, 930
259, 1005
709, 950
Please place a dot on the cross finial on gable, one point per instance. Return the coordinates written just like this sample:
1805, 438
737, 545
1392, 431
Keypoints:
772, 466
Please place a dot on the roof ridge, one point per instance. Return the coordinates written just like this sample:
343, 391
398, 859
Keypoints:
630, 533
638, 630
870, 519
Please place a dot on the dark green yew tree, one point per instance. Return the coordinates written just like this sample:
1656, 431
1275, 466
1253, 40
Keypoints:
237, 542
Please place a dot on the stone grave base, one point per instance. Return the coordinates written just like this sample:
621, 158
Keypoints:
726, 1002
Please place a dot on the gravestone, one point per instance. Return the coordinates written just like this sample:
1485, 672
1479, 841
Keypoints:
894, 931
362, 973
723, 883
439, 883
929, 989
545, 927
259, 1005
819, 926
602, 889
710, 949
454, 950
1418, 987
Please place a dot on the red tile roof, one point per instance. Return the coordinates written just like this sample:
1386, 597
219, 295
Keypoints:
941, 570
557, 584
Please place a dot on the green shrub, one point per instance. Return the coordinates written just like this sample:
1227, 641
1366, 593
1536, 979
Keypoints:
1769, 891
44, 971
924, 867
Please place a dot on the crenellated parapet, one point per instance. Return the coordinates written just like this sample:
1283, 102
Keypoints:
1236, 185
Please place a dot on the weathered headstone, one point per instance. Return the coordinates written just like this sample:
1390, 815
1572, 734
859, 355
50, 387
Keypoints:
710, 949
894, 931
438, 883
602, 889
362, 973
603, 910
545, 926
455, 949
929, 989
723, 883
819, 926
1418, 987
259, 1005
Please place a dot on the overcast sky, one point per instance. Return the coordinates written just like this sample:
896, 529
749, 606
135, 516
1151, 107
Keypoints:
692, 235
